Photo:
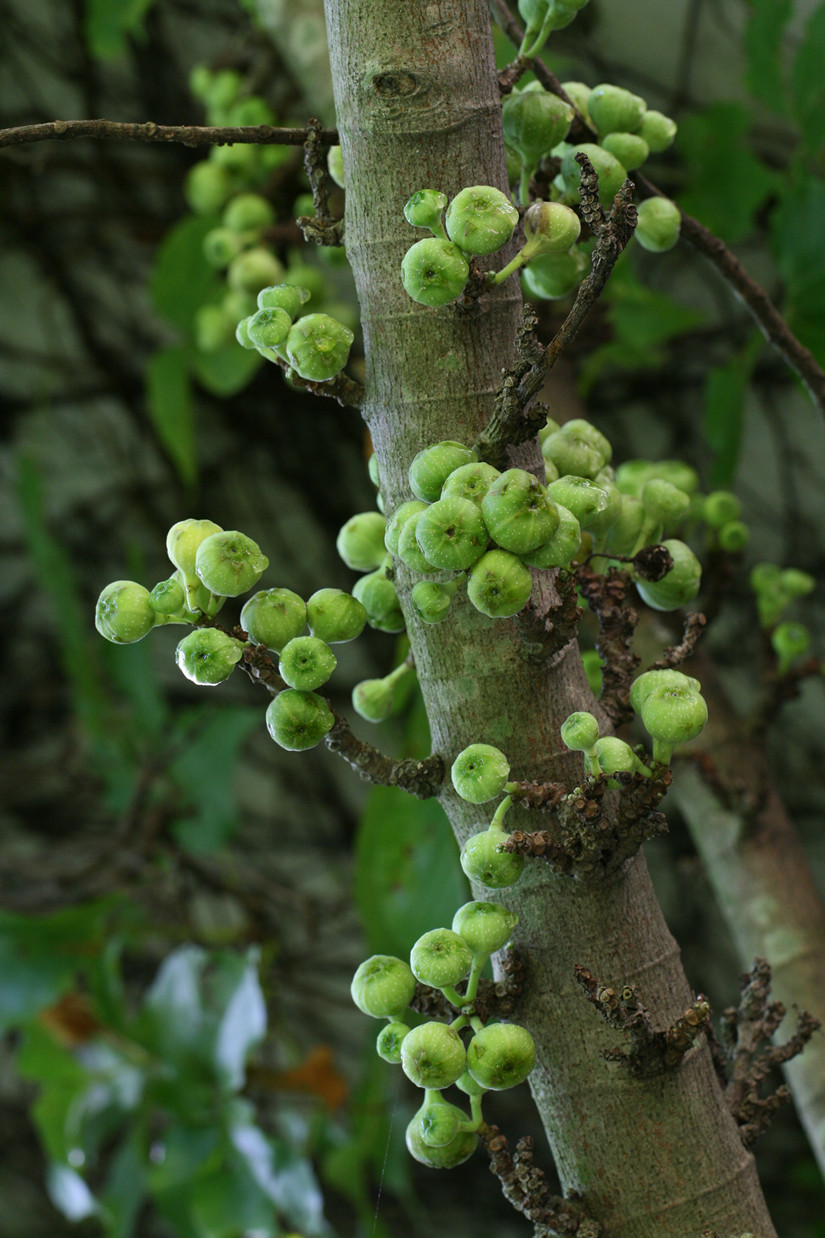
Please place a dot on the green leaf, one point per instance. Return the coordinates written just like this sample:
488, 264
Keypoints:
225, 371
797, 226
401, 843
125, 1187
182, 281
724, 411
107, 24
205, 772
726, 183
169, 403
189, 1153
808, 82
41, 1060
763, 45
242, 1025
173, 1020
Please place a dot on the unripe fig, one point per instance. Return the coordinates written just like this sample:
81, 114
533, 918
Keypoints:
485, 927
288, 297
220, 246
424, 210
432, 466
268, 327
630, 149
657, 130
480, 219
242, 159
253, 270
479, 773
470, 481
499, 584
534, 122
795, 583
213, 328
501, 1055
229, 563
409, 551
518, 513
335, 616
579, 92
441, 957
373, 699
460, 1148
124, 612
483, 860
581, 496
318, 347
615, 110
659, 223
651, 681
673, 715
679, 586
168, 597
551, 228
433, 1056
663, 502
335, 166
208, 656
615, 756
451, 533
439, 1122
382, 986
360, 542
434, 272
306, 663
552, 276
579, 732
577, 449
626, 528
561, 547
431, 601
789, 641
632, 475
298, 720
397, 521
183, 540
719, 507
207, 187
378, 596
247, 211
388, 1042
733, 536
273, 617
610, 172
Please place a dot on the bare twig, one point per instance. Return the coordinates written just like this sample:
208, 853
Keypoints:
524, 1186
321, 227
187, 135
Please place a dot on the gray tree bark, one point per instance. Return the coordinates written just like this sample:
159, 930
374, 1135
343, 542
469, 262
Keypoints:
418, 106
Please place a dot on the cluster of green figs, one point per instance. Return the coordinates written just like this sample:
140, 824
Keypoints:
433, 1054
315, 346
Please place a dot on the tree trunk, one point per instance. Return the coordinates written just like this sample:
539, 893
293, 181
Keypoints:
418, 106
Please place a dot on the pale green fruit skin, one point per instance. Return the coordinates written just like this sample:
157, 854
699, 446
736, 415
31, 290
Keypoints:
335, 616
631, 475
335, 166
183, 540
615, 110
425, 208
451, 533
273, 617
556, 225
208, 656
382, 986
610, 172
439, 1122
664, 502
651, 681
409, 550
283, 296
657, 130
268, 327
360, 541
549, 277
659, 225
579, 731
485, 927
168, 597
398, 519
501, 1055
388, 1042
229, 563
562, 546
298, 720
719, 507
534, 122
499, 585
483, 862
674, 715
432, 466
247, 211
253, 270
581, 496
467, 1084
480, 219
518, 513
679, 586
306, 663
434, 272
615, 756
630, 149
734, 536
470, 481
432, 601
433, 1056
373, 699
317, 347
479, 773
378, 596
441, 957
458, 1150
124, 612
577, 448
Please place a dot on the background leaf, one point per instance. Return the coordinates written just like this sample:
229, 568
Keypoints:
725, 183
169, 404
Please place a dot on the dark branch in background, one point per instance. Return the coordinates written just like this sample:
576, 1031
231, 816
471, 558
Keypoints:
745, 1035
675, 655
420, 778
754, 297
650, 1052
524, 1186
188, 135
322, 228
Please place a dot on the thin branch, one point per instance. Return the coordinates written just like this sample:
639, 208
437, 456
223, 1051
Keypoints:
188, 135
524, 1186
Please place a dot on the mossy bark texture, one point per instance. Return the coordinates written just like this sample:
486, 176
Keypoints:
418, 107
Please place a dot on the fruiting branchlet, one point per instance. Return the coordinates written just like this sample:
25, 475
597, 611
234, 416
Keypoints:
671, 707
316, 346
